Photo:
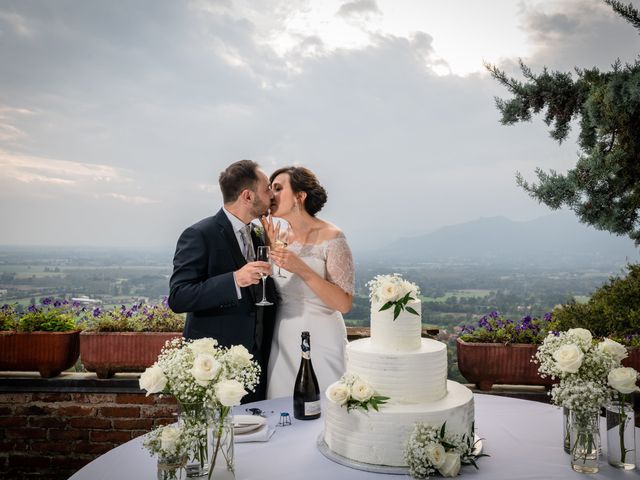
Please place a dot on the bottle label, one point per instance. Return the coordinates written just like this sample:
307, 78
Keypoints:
306, 355
311, 408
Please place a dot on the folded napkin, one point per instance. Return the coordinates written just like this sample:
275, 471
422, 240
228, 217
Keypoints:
262, 434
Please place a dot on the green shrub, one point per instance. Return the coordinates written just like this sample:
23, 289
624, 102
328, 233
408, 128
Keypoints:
51, 316
612, 311
8, 318
140, 317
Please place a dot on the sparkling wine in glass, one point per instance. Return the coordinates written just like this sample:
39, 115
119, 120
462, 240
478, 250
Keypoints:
282, 240
263, 256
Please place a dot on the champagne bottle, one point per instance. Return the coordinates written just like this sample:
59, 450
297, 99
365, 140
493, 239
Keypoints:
306, 393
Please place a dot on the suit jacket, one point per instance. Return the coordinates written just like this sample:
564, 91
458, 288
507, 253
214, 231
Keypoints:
202, 285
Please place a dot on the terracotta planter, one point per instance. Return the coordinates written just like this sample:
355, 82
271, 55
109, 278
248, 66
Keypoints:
108, 353
46, 352
486, 364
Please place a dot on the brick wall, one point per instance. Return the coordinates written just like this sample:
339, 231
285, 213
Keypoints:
52, 435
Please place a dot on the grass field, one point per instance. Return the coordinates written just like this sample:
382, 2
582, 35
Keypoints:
470, 293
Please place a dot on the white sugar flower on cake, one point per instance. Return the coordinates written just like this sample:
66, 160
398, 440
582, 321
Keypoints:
393, 291
352, 392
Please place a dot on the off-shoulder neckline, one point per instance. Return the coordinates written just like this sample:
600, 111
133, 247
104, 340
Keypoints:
341, 235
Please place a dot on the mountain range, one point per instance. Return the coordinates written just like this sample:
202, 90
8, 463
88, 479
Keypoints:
553, 239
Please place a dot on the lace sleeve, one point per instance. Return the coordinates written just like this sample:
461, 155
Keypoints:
340, 269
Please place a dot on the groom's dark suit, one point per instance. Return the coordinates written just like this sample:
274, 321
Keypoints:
202, 284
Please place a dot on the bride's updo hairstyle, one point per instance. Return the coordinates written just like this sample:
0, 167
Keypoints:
304, 180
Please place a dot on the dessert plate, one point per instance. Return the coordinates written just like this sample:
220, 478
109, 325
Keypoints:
247, 423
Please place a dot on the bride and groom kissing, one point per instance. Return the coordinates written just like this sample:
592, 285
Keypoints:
216, 277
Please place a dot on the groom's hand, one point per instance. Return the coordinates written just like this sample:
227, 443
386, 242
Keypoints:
251, 273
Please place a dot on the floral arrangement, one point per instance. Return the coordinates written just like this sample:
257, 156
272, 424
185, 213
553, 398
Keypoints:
207, 380
393, 291
171, 444
353, 392
432, 450
140, 317
51, 315
591, 375
495, 328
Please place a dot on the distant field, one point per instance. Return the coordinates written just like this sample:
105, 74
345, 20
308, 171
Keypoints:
469, 293
581, 298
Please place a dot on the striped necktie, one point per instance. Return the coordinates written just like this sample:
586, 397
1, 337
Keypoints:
248, 252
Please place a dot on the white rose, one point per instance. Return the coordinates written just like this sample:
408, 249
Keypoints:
388, 292
229, 392
338, 393
623, 379
168, 438
203, 345
617, 351
451, 465
239, 355
153, 380
361, 391
436, 454
205, 368
568, 358
583, 334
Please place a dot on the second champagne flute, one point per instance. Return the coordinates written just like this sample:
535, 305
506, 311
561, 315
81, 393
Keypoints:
282, 239
263, 256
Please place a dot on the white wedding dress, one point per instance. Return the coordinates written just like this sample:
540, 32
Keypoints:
301, 310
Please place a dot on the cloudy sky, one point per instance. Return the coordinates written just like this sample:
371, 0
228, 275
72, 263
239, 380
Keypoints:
117, 117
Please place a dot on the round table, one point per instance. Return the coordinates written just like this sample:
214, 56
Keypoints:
523, 439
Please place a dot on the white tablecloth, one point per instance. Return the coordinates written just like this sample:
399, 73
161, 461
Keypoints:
523, 438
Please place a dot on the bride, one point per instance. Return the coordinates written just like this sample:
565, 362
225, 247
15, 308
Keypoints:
318, 287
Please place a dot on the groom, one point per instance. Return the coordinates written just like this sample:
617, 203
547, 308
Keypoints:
215, 275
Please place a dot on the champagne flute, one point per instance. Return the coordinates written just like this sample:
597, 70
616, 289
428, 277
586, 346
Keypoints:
282, 239
263, 256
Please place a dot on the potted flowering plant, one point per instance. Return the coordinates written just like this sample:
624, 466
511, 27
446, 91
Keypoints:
127, 339
207, 381
500, 350
44, 338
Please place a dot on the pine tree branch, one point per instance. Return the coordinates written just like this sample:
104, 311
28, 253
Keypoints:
628, 12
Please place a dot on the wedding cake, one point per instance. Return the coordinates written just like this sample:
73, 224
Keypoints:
393, 362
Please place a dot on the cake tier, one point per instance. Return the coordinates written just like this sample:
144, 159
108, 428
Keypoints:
401, 334
380, 437
406, 377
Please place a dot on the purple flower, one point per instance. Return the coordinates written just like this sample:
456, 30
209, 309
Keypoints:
494, 314
547, 316
76, 304
46, 301
32, 309
96, 312
57, 304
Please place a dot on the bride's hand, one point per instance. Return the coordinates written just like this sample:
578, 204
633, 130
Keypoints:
271, 229
288, 260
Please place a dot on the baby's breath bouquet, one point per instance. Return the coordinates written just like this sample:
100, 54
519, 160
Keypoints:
583, 366
171, 444
207, 381
353, 392
393, 291
432, 450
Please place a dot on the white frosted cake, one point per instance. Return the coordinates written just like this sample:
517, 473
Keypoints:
397, 363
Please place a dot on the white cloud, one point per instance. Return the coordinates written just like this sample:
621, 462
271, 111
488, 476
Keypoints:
136, 200
31, 169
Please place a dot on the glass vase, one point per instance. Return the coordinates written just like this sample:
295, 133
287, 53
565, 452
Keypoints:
171, 468
221, 440
584, 430
621, 442
197, 418
566, 437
